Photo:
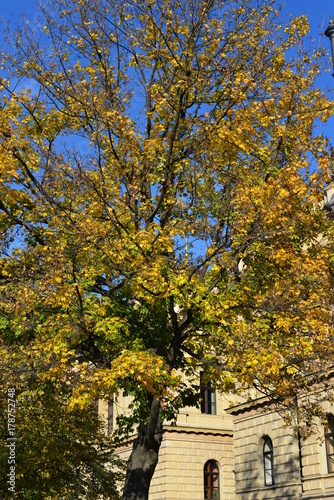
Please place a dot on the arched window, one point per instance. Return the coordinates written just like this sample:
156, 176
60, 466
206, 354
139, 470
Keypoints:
268, 461
211, 480
329, 440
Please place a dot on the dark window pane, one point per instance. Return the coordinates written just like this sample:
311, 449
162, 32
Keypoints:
110, 415
208, 398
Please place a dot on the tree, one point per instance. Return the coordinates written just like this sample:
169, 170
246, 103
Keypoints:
160, 209
59, 453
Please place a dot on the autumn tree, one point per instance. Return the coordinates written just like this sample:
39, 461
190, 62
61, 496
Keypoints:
60, 452
161, 207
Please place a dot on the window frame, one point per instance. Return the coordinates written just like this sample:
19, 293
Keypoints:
211, 475
110, 418
208, 397
329, 435
268, 457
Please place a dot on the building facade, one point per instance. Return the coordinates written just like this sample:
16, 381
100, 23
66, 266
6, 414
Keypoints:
271, 462
226, 451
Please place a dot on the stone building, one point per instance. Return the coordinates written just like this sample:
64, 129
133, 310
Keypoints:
271, 462
237, 451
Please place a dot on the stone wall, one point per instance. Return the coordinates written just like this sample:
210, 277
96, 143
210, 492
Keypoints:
180, 471
234, 438
186, 448
249, 430
299, 473
179, 474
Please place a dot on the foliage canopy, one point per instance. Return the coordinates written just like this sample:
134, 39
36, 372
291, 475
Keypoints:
59, 453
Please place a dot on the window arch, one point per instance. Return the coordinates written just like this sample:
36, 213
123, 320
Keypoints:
211, 480
268, 461
329, 441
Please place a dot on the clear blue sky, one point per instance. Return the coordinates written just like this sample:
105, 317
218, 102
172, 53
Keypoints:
318, 12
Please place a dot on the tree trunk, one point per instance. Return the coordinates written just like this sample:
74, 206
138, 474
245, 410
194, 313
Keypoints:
143, 458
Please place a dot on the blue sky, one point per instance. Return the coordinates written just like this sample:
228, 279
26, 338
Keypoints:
318, 12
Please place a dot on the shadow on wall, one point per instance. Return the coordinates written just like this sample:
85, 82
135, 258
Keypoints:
270, 476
